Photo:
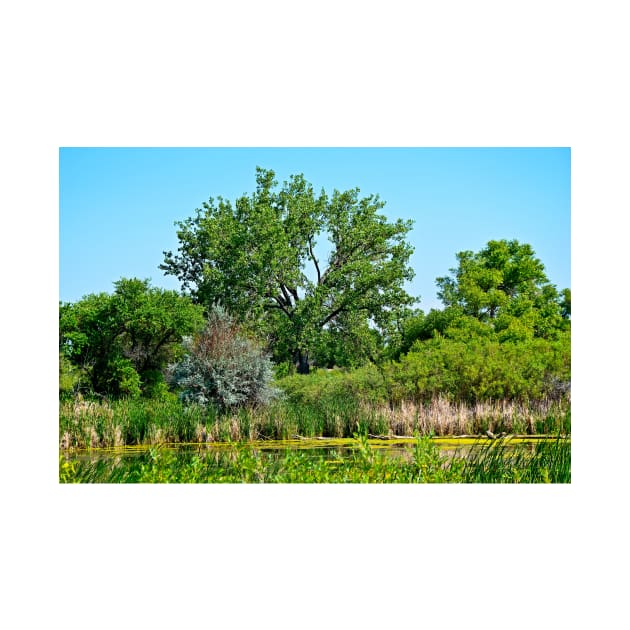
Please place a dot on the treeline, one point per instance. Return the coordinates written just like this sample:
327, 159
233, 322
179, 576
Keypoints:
121, 345
249, 312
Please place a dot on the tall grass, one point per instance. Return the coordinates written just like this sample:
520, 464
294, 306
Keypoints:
496, 461
443, 417
85, 424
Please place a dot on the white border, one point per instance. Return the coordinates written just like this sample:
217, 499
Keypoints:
282, 74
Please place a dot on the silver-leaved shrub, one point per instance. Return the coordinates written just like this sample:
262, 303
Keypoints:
223, 367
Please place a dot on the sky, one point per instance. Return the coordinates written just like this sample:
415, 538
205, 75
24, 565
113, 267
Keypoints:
118, 206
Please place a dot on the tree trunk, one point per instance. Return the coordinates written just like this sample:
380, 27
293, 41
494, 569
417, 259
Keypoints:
301, 362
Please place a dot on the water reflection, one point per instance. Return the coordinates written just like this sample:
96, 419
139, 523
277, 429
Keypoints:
333, 449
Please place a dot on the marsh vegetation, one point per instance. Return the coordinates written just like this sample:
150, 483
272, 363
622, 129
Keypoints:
356, 461
97, 424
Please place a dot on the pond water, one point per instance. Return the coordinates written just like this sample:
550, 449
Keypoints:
333, 448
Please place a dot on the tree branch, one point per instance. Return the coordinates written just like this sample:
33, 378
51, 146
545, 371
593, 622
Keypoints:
332, 315
310, 249
339, 261
279, 305
287, 298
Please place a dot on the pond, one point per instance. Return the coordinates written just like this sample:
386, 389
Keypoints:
316, 448
513, 459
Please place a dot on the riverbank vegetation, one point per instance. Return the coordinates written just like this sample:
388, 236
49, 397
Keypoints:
273, 336
97, 424
494, 462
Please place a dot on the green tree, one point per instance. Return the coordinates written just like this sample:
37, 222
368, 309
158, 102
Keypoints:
505, 286
260, 259
565, 303
124, 341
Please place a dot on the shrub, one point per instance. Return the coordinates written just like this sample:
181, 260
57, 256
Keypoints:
223, 367
154, 385
480, 369
362, 385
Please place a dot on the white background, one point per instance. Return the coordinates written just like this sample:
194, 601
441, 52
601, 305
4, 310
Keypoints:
312, 74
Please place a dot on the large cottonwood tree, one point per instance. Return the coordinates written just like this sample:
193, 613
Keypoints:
300, 266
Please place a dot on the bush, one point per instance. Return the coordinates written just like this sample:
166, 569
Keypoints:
154, 385
481, 369
362, 385
222, 367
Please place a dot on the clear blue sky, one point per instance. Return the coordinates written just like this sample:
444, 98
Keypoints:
118, 205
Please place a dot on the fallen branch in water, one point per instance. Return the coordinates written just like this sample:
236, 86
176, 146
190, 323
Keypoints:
391, 437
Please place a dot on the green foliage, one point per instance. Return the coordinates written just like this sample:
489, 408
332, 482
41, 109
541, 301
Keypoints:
286, 368
259, 258
565, 303
505, 286
122, 378
68, 471
498, 462
365, 384
504, 333
70, 377
121, 341
451, 321
154, 385
472, 368
222, 367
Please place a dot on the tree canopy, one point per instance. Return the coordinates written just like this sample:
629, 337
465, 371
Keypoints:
500, 294
123, 340
321, 276
505, 286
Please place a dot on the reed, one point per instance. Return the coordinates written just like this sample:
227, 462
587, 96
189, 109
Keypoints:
89, 424
443, 417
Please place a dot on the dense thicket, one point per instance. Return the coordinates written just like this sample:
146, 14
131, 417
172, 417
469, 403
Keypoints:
478, 367
504, 333
468, 370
